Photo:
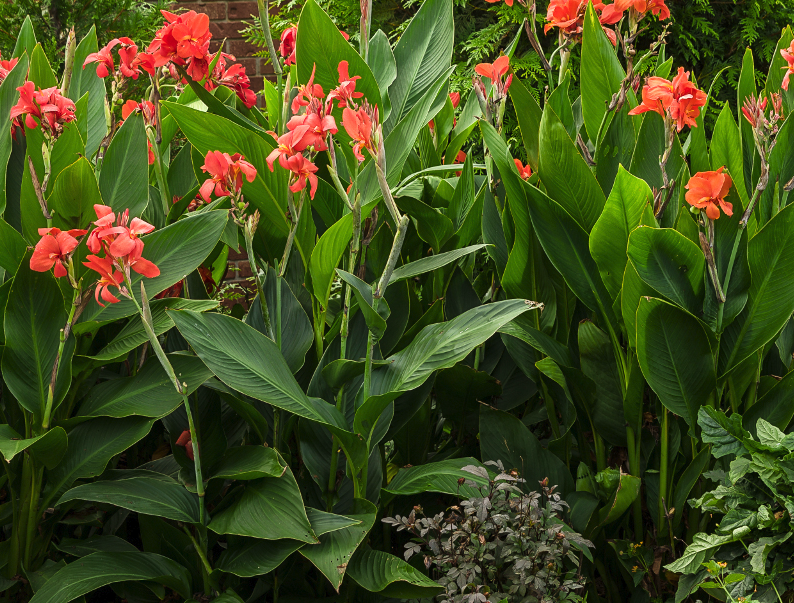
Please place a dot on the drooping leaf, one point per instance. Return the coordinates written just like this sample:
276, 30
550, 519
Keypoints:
389, 576
12, 248
441, 476
430, 263
251, 557
47, 449
326, 256
86, 81
124, 178
248, 463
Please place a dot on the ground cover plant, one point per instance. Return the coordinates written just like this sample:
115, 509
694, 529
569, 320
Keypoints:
462, 376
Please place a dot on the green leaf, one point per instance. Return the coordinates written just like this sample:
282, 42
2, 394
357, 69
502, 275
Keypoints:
726, 150
432, 226
320, 45
441, 476
601, 74
12, 248
332, 555
540, 341
777, 71
389, 576
615, 148
81, 547
124, 177
775, 406
270, 508
529, 115
252, 557
248, 463
34, 316
566, 176
503, 437
86, 81
177, 250
375, 319
326, 255
47, 449
100, 569
153, 494
430, 263
383, 64
74, 195
133, 333
626, 490
675, 356
634, 289
625, 207
26, 39
8, 98
149, 393
770, 300
702, 545
422, 54
91, 446
745, 89
725, 433
41, 72
670, 263
686, 481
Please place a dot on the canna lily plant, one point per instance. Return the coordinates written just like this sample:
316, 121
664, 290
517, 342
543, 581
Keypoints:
425, 303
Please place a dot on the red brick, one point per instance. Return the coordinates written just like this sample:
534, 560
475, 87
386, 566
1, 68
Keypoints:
242, 10
215, 44
241, 48
257, 83
251, 66
267, 69
230, 29
235, 255
244, 270
215, 10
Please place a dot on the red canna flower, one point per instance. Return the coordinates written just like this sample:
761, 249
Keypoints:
6, 67
104, 58
145, 61
141, 265
185, 441
788, 56
345, 93
680, 99
359, 126
108, 277
307, 93
182, 37
642, 7
460, 158
302, 170
523, 170
236, 79
53, 248
318, 129
290, 143
226, 172
49, 106
287, 47
127, 239
495, 72
568, 17
508, 2
707, 190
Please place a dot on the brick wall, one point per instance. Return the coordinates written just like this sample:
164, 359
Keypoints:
226, 21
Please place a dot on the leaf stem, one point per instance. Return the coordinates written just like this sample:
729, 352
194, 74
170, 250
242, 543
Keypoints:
162, 183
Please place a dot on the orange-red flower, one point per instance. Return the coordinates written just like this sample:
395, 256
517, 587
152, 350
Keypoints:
49, 106
182, 37
226, 174
523, 170
53, 248
642, 7
496, 72
707, 190
307, 94
287, 47
108, 277
236, 79
568, 17
302, 170
680, 99
788, 56
128, 53
345, 93
359, 126
508, 2
6, 67
185, 441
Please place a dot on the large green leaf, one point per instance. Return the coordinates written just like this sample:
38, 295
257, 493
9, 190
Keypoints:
251, 557
91, 446
423, 54
615, 148
726, 151
332, 555
149, 393
86, 81
270, 508
389, 576
628, 201
268, 192
100, 569
634, 288
74, 195
322, 47
34, 316
676, 358
81, 547
529, 114
725, 434
177, 250
133, 334
26, 39
124, 179
12, 248
503, 437
601, 73
47, 449
770, 300
695, 553
8, 98
326, 256
744, 90
442, 476
430, 263
670, 263
144, 492
775, 406
247, 463
566, 176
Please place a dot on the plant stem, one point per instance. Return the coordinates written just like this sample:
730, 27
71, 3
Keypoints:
33, 512
264, 20
366, 20
634, 467
162, 183
64, 335
565, 56
665, 437
248, 232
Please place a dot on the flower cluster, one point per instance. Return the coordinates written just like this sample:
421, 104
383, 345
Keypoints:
640, 8
496, 72
568, 17
707, 191
54, 249
48, 106
312, 124
679, 100
130, 60
788, 56
226, 175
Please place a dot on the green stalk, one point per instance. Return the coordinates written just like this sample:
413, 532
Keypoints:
206, 568
665, 441
264, 20
165, 194
64, 335
634, 467
33, 512
248, 232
